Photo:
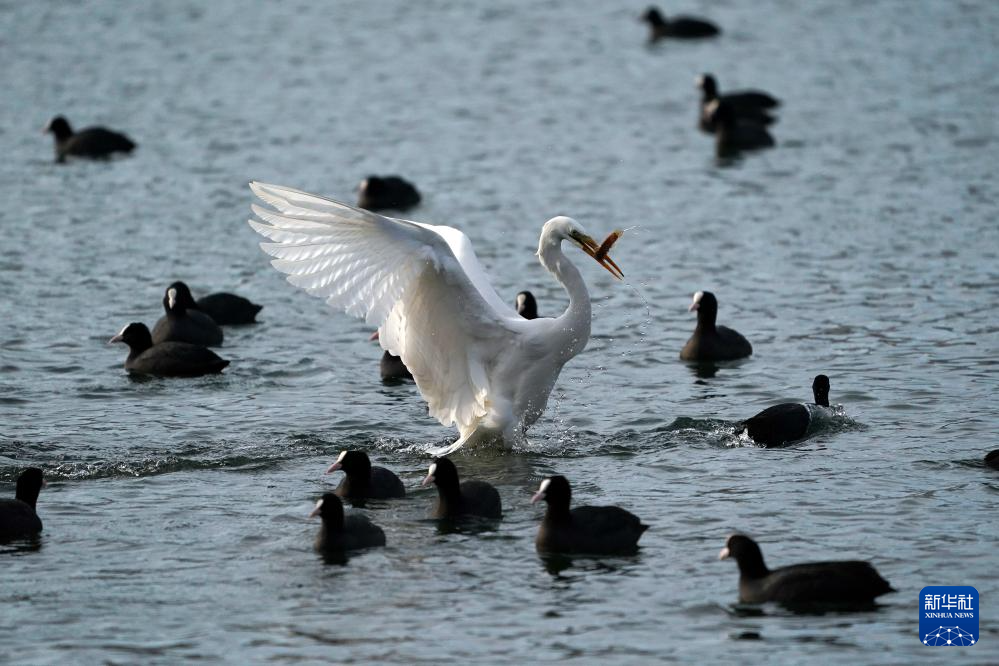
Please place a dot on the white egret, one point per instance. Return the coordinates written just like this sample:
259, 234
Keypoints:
477, 363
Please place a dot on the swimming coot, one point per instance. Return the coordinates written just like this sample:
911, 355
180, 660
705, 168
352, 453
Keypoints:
681, 27
842, 582
166, 359
183, 322
227, 309
527, 307
92, 142
786, 422
711, 342
362, 480
386, 193
340, 532
748, 105
734, 135
599, 530
18, 517
465, 498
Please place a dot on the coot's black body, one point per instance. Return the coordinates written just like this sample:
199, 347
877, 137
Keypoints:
386, 193
596, 530
364, 481
711, 342
340, 532
460, 499
227, 309
786, 422
839, 583
92, 143
734, 135
681, 27
392, 369
183, 322
751, 106
166, 359
992, 459
18, 518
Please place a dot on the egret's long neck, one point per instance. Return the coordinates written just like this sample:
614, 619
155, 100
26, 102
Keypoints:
575, 321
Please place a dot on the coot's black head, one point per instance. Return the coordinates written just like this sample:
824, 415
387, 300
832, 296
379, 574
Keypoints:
443, 474
178, 299
372, 186
136, 336
554, 490
60, 128
706, 305
29, 484
527, 307
820, 387
746, 553
352, 462
992, 459
653, 16
708, 86
330, 508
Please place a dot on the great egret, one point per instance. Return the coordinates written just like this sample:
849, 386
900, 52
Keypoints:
477, 363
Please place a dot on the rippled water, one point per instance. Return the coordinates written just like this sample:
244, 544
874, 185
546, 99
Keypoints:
863, 247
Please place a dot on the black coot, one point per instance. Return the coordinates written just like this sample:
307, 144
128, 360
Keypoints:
386, 193
992, 459
392, 369
711, 342
681, 27
18, 518
166, 359
363, 481
465, 498
340, 532
599, 530
844, 582
92, 142
527, 307
227, 309
183, 322
748, 105
734, 135
788, 421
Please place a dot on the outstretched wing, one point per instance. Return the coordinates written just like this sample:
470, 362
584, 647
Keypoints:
403, 278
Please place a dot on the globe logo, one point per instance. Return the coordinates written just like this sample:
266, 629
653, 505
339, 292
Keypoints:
948, 636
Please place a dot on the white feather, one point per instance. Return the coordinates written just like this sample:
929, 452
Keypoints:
420, 284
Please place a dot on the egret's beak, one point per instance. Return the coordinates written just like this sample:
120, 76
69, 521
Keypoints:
599, 252
334, 467
724, 553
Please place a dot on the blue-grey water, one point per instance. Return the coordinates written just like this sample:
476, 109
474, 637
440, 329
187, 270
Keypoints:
864, 247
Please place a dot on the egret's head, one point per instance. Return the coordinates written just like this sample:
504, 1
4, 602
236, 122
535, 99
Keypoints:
562, 228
